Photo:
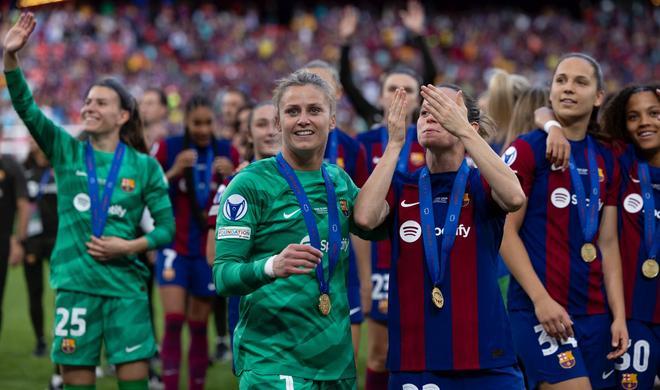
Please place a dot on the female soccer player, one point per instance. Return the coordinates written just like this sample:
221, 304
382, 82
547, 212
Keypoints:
447, 218
195, 163
633, 116
562, 247
282, 243
100, 283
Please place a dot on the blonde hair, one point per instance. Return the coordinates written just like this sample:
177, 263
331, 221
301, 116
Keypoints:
522, 118
504, 89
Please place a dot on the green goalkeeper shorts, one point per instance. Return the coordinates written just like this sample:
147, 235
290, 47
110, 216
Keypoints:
249, 380
83, 322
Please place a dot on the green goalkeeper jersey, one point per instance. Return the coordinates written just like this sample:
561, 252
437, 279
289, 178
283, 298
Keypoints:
281, 330
140, 183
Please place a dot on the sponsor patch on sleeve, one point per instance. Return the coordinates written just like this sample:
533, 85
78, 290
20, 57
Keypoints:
240, 232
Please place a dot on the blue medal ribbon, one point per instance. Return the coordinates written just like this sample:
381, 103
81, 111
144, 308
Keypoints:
588, 214
332, 149
651, 231
45, 178
100, 207
404, 155
203, 184
334, 229
435, 266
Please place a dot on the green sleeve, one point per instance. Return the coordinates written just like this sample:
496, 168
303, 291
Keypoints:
235, 272
52, 139
157, 200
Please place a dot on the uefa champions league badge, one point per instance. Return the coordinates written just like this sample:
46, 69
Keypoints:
235, 207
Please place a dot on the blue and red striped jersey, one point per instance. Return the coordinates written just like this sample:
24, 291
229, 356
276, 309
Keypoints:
642, 294
381, 251
471, 331
349, 156
551, 230
190, 234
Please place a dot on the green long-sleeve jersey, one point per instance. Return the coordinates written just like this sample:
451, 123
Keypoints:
141, 182
281, 330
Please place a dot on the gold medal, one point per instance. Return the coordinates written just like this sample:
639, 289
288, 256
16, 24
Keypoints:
383, 306
168, 274
650, 268
324, 304
588, 252
438, 299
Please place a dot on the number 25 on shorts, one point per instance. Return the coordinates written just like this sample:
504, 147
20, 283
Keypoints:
70, 323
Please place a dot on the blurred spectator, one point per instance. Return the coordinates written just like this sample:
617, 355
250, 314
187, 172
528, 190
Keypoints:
154, 113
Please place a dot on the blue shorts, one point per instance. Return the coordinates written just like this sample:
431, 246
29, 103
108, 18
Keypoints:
353, 289
509, 378
192, 273
380, 287
638, 367
546, 359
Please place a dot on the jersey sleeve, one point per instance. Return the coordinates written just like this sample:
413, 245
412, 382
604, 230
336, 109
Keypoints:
161, 154
158, 202
214, 205
520, 158
235, 272
52, 139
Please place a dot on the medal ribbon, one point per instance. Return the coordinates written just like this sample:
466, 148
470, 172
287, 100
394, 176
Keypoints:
100, 206
435, 266
45, 177
651, 231
588, 214
404, 156
332, 150
334, 229
202, 188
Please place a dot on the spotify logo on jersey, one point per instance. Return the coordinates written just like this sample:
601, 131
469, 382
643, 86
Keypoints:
633, 203
82, 202
560, 198
410, 231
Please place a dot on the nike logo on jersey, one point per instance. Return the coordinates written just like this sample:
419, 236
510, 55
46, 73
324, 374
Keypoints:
406, 205
291, 214
133, 348
555, 168
354, 310
633, 179
607, 374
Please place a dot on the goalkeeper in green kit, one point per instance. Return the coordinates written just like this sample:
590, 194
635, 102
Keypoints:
104, 184
282, 243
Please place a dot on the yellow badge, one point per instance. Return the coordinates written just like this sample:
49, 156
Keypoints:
68, 345
601, 175
324, 304
383, 305
629, 381
340, 162
566, 359
417, 158
438, 299
650, 268
466, 199
128, 185
169, 274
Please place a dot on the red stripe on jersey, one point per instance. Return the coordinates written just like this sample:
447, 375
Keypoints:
630, 237
595, 299
411, 270
181, 203
557, 248
464, 296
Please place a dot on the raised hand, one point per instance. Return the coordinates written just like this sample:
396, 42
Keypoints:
413, 17
296, 259
396, 119
450, 113
348, 23
18, 35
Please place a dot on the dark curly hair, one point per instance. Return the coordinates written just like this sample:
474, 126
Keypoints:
613, 117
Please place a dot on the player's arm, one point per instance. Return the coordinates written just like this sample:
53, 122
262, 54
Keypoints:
44, 131
554, 318
608, 242
452, 115
371, 208
22, 213
414, 18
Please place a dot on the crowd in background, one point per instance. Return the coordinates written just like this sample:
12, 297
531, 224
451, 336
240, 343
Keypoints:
182, 49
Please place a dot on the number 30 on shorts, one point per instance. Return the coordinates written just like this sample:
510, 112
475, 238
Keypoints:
641, 351
73, 320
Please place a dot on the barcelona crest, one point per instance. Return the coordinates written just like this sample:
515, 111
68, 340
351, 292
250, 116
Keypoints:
417, 158
466, 199
128, 185
629, 381
566, 359
343, 205
340, 162
68, 345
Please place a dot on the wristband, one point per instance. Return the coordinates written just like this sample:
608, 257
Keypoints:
549, 124
268, 267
